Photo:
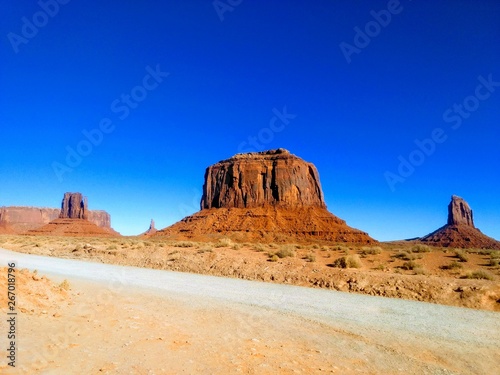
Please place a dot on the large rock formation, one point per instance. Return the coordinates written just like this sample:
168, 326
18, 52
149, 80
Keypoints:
459, 212
460, 231
72, 220
270, 196
74, 206
259, 179
22, 219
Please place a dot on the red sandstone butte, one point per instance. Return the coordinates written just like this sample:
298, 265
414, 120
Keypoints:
460, 231
270, 196
72, 220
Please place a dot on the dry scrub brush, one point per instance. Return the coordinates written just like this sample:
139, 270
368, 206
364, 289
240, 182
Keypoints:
349, 261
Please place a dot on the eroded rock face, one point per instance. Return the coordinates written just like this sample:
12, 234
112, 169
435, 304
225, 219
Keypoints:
25, 218
459, 212
74, 206
100, 218
258, 179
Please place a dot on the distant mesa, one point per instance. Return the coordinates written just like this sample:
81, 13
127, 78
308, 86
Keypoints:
269, 196
73, 221
460, 231
22, 219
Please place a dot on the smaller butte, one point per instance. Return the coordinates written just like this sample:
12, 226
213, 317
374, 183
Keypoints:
460, 231
73, 221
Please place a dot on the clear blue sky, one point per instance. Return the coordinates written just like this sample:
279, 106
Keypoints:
354, 104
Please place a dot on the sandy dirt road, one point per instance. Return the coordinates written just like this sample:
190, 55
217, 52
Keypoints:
126, 320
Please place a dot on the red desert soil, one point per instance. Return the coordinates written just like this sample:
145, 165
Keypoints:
73, 228
265, 224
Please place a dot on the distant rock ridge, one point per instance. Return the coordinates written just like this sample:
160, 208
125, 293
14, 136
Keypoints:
23, 218
72, 219
269, 196
460, 232
256, 179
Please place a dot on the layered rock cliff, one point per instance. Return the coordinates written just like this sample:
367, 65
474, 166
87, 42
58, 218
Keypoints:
257, 179
270, 196
25, 218
22, 219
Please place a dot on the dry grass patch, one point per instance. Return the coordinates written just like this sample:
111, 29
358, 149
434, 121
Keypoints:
453, 265
310, 258
420, 248
64, 285
479, 274
224, 242
461, 255
410, 265
286, 251
349, 261
367, 250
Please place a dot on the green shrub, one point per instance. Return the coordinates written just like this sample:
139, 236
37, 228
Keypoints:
274, 258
